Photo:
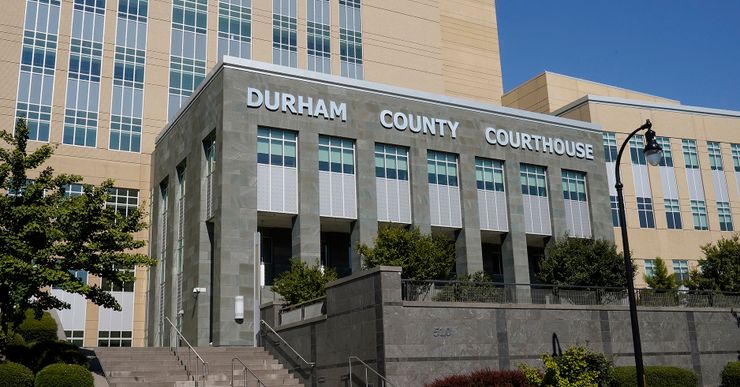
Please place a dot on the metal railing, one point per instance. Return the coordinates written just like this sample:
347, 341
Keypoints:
501, 293
383, 381
246, 369
299, 312
195, 366
308, 363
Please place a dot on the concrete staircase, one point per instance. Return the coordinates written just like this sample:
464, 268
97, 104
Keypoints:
158, 367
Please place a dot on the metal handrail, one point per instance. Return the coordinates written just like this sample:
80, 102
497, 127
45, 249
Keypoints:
259, 381
308, 363
367, 367
176, 351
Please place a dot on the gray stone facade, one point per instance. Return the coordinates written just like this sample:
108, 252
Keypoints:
413, 343
219, 250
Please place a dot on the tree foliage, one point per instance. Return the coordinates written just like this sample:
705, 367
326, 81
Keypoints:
302, 282
422, 257
720, 268
660, 278
576, 367
583, 262
45, 235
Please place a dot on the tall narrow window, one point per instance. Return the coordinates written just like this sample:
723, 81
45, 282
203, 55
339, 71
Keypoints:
38, 61
350, 39
210, 150
736, 156
83, 80
672, 214
699, 214
235, 28
725, 216
187, 51
391, 162
575, 199
715, 155
533, 180
649, 267
489, 174
691, 158
180, 243
127, 101
680, 270
162, 266
276, 147
614, 203
610, 147
637, 145
336, 155
665, 143
284, 33
442, 168
318, 28
645, 212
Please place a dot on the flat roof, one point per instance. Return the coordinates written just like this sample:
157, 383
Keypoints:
377, 88
645, 104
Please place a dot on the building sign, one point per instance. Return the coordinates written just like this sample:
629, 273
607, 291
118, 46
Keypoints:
418, 124
539, 143
286, 102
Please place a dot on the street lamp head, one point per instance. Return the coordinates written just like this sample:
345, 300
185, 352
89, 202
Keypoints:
653, 151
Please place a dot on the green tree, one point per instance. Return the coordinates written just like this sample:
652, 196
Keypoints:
302, 283
45, 235
422, 257
660, 278
583, 262
720, 268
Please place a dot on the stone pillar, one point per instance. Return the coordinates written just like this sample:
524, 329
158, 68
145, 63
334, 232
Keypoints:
514, 245
419, 189
307, 225
468, 243
365, 228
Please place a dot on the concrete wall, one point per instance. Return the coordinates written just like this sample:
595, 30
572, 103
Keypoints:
413, 343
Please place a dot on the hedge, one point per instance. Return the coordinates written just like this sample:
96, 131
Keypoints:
64, 375
15, 375
657, 376
41, 354
731, 375
483, 378
33, 330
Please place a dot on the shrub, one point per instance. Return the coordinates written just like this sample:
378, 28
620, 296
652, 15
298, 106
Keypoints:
15, 375
42, 329
483, 378
64, 375
731, 375
578, 366
21, 354
50, 352
303, 283
476, 287
657, 376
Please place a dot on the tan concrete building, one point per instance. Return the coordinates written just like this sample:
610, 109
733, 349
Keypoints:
99, 79
691, 199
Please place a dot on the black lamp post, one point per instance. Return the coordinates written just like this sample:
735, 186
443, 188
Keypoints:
653, 153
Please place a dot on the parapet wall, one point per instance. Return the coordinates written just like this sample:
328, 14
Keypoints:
413, 343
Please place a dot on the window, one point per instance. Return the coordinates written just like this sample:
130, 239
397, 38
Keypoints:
75, 337
350, 39
38, 61
72, 190
610, 147
672, 214
187, 50
645, 212
736, 156
284, 33
391, 162
318, 31
574, 185
235, 28
680, 270
637, 146
533, 180
276, 147
691, 158
699, 214
336, 155
442, 168
665, 143
21, 190
715, 155
112, 287
615, 210
210, 150
163, 209
123, 200
114, 338
725, 216
649, 267
489, 174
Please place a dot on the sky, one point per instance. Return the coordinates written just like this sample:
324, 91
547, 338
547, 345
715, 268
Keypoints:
687, 50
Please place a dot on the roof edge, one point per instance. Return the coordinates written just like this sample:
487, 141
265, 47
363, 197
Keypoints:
645, 104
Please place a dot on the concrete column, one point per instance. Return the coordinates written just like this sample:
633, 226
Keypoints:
419, 189
514, 245
307, 225
468, 244
558, 224
365, 228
